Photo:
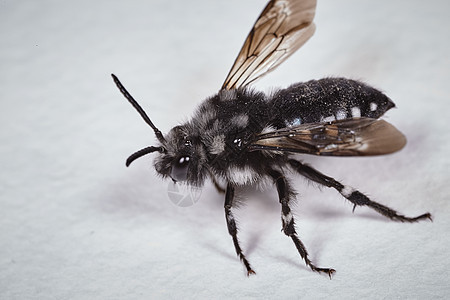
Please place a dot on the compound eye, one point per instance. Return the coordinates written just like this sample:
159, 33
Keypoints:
180, 168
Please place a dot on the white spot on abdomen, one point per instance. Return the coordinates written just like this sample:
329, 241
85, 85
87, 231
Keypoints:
341, 115
356, 112
373, 106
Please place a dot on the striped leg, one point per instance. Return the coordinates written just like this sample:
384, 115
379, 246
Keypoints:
285, 194
354, 196
232, 228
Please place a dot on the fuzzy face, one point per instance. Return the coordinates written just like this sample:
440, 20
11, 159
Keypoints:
184, 158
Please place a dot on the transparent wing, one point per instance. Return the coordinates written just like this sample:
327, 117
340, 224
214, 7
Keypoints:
350, 137
282, 28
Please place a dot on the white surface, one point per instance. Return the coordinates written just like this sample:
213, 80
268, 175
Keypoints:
76, 224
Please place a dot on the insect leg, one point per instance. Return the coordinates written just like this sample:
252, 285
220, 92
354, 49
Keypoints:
232, 228
354, 196
285, 194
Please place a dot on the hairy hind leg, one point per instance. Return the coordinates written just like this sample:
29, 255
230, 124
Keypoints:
354, 196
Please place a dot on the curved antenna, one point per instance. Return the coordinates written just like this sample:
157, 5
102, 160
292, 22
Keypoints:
139, 109
141, 153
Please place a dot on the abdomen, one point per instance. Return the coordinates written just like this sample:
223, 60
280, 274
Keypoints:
325, 100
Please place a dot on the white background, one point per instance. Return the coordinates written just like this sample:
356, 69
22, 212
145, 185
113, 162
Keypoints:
76, 224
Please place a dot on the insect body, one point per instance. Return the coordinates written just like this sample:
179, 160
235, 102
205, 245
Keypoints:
243, 137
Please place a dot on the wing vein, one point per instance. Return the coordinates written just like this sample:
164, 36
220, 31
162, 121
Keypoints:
282, 28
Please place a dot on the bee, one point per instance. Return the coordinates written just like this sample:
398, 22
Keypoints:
242, 137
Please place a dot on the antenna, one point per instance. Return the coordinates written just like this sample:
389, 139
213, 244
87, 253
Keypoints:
139, 109
141, 153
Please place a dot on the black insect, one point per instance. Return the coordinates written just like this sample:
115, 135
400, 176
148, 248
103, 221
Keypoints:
241, 136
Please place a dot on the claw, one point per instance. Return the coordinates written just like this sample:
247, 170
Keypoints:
428, 216
330, 272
